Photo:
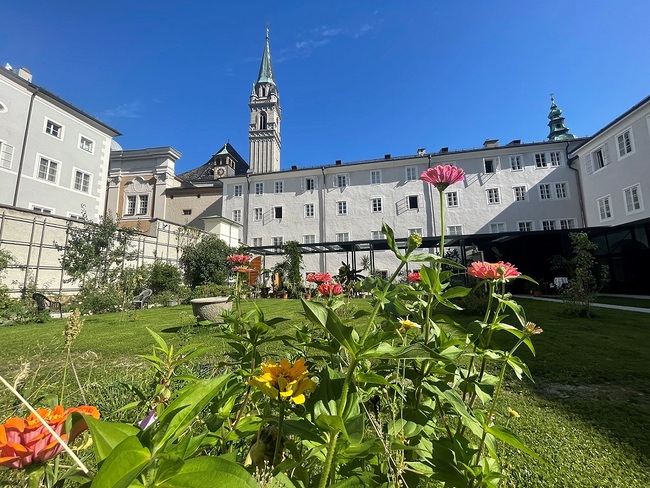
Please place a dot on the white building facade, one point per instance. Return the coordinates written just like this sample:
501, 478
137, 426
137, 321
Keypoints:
614, 166
53, 157
517, 187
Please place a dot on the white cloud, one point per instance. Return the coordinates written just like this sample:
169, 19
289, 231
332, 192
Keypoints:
126, 110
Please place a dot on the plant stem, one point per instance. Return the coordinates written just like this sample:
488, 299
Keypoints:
278, 440
65, 371
442, 224
56, 436
375, 310
331, 448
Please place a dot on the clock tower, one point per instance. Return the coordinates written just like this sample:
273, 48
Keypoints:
264, 129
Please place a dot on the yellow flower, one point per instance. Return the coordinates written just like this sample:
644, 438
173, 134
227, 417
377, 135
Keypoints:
408, 324
284, 381
513, 413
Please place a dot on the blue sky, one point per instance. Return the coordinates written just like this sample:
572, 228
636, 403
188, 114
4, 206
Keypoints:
357, 79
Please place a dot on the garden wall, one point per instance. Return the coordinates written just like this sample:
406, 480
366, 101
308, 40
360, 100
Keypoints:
33, 240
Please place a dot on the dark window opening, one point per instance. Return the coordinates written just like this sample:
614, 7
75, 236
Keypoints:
277, 211
413, 201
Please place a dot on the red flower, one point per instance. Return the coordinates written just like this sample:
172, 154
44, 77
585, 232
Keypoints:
493, 271
319, 277
415, 276
443, 176
242, 269
239, 258
330, 289
27, 441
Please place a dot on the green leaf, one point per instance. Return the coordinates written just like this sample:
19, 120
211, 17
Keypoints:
331, 423
390, 240
386, 351
302, 429
281, 480
372, 378
511, 438
519, 367
182, 411
107, 435
159, 340
319, 314
354, 480
124, 464
210, 471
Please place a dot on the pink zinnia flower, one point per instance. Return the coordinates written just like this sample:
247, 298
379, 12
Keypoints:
239, 258
319, 277
330, 289
443, 176
415, 276
493, 271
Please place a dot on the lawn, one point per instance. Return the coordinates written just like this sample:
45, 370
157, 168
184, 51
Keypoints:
588, 412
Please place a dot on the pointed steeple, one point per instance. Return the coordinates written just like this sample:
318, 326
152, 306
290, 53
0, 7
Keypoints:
266, 68
558, 131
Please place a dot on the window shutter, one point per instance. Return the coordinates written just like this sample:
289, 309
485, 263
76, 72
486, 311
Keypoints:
589, 164
605, 155
302, 184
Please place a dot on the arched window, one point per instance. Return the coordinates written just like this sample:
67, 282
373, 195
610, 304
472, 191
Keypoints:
262, 120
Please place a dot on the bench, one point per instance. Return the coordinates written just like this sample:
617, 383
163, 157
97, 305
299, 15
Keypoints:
44, 304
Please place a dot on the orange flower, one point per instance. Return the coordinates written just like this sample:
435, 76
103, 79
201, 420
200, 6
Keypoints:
493, 271
27, 441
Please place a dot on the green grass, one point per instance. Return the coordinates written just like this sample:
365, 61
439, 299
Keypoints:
588, 413
625, 301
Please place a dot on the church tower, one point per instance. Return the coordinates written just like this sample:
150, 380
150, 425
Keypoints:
557, 130
264, 130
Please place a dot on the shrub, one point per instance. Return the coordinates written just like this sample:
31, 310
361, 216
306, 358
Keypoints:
210, 290
93, 299
164, 277
206, 262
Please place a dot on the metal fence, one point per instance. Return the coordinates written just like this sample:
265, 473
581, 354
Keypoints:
37, 244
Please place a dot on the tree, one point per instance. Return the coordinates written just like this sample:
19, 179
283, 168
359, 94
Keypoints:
206, 261
289, 269
97, 252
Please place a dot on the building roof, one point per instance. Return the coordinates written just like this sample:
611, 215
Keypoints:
205, 171
266, 67
56, 100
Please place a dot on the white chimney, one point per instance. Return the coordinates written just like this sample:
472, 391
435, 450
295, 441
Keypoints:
25, 74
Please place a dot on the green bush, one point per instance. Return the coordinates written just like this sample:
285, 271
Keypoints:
211, 290
164, 277
93, 299
206, 262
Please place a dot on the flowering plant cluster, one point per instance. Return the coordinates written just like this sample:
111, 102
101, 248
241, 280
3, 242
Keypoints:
239, 258
319, 278
413, 277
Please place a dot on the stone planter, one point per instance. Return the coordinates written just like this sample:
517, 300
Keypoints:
210, 308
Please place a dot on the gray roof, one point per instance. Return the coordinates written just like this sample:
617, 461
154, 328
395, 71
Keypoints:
204, 172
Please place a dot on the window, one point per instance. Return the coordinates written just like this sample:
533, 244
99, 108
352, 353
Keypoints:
278, 187
256, 242
43, 210
309, 239
411, 173
53, 129
412, 202
309, 210
6, 155
257, 214
493, 196
540, 160
86, 144
556, 158
545, 191
342, 208
490, 165
236, 216
341, 181
259, 188
520, 193
75, 216
497, 227
515, 163
415, 230
452, 198
143, 204
187, 211
567, 223
238, 190
130, 205
525, 226
597, 159
376, 205
342, 236
624, 143
47, 170
548, 224
382, 273
455, 230
632, 197
81, 181
309, 184
561, 191
376, 235
375, 177
277, 241
277, 212
605, 208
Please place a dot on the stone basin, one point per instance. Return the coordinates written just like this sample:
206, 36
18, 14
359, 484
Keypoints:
210, 308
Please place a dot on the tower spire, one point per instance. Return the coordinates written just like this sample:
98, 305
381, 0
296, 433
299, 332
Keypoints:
266, 67
557, 130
